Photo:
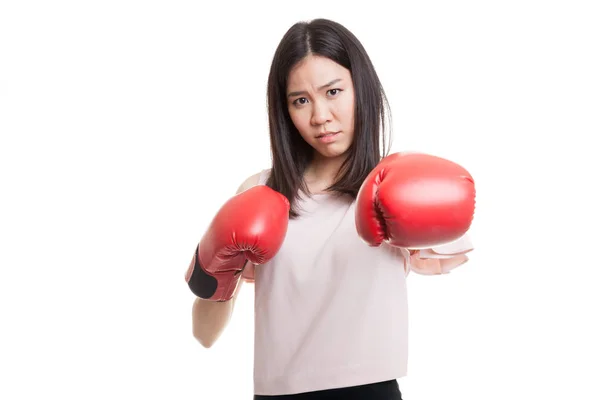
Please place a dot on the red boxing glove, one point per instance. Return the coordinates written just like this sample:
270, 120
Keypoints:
415, 200
251, 226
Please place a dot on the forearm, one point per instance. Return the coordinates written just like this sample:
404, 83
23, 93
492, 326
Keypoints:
209, 318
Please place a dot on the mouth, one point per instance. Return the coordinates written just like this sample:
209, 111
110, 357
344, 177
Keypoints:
327, 137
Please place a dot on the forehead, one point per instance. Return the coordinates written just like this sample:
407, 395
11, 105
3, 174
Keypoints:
316, 71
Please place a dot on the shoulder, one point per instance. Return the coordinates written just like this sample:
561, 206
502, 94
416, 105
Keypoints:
258, 178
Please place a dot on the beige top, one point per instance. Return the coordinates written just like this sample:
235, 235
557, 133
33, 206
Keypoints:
330, 311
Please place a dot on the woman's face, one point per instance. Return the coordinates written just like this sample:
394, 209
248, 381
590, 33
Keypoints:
320, 98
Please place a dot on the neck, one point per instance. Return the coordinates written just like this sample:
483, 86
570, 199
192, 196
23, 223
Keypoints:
322, 171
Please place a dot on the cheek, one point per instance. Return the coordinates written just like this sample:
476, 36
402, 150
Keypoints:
300, 120
347, 111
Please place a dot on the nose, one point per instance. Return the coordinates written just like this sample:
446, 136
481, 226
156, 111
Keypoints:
321, 114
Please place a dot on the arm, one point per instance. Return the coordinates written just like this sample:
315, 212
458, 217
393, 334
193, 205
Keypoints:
209, 318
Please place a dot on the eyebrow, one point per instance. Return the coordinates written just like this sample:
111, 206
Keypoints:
292, 94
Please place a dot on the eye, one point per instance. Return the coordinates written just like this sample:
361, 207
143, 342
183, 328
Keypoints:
334, 92
300, 101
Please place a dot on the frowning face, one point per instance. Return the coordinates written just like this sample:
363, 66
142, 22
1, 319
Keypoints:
320, 97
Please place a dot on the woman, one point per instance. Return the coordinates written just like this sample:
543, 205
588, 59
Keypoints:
331, 311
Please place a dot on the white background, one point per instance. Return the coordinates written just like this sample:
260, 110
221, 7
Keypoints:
126, 124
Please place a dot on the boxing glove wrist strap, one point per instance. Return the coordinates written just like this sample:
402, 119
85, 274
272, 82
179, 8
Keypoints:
202, 284
206, 286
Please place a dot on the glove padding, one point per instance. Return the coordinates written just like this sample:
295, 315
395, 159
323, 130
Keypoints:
415, 200
251, 226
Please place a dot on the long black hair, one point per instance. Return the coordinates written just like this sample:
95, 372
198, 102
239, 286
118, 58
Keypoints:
289, 152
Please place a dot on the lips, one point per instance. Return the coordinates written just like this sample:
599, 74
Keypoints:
326, 134
328, 137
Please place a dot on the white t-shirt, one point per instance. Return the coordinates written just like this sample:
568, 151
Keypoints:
331, 311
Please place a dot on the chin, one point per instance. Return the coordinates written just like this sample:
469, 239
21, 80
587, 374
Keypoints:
333, 152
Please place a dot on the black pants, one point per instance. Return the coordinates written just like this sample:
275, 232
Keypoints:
388, 390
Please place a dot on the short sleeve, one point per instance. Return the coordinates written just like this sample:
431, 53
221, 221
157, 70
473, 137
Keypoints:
441, 259
264, 176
